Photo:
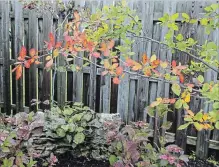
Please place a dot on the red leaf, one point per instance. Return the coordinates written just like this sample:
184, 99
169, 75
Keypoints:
174, 63
52, 38
119, 70
32, 52
129, 62
116, 80
27, 64
106, 52
58, 45
172, 101
18, 71
22, 54
49, 63
96, 54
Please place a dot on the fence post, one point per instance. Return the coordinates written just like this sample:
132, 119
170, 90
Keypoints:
6, 59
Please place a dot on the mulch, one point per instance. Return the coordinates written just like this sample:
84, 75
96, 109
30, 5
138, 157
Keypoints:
67, 160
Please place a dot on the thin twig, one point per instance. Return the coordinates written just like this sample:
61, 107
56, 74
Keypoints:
191, 55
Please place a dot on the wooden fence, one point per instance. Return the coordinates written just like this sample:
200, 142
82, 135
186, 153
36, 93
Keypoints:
20, 26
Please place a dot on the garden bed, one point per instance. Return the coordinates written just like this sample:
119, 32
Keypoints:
67, 160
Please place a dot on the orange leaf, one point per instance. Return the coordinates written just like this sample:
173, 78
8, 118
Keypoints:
119, 70
32, 52
144, 59
129, 62
111, 44
22, 53
103, 47
37, 62
76, 19
114, 60
18, 71
49, 63
106, 64
116, 80
147, 72
155, 63
181, 78
190, 113
58, 44
51, 38
136, 67
115, 65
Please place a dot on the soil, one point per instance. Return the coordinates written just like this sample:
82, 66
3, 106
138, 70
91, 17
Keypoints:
200, 163
67, 160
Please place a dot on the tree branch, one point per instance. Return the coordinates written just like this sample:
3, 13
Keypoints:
191, 55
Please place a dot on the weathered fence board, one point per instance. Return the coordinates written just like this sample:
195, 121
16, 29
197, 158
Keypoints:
24, 27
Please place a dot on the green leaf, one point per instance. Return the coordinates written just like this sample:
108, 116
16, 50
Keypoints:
112, 159
185, 105
184, 126
68, 111
198, 116
186, 16
178, 104
65, 127
79, 129
175, 16
60, 132
200, 78
204, 21
217, 125
192, 21
188, 119
179, 37
176, 89
198, 126
79, 138
216, 105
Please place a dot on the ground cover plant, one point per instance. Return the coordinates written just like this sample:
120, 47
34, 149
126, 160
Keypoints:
96, 34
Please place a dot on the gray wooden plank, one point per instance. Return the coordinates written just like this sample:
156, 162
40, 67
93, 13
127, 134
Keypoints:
78, 76
5, 51
105, 87
203, 136
47, 75
61, 76
19, 42
33, 72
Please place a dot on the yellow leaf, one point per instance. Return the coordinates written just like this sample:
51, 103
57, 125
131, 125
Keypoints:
106, 64
183, 95
55, 53
187, 98
205, 116
153, 57
164, 64
159, 99
48, 58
